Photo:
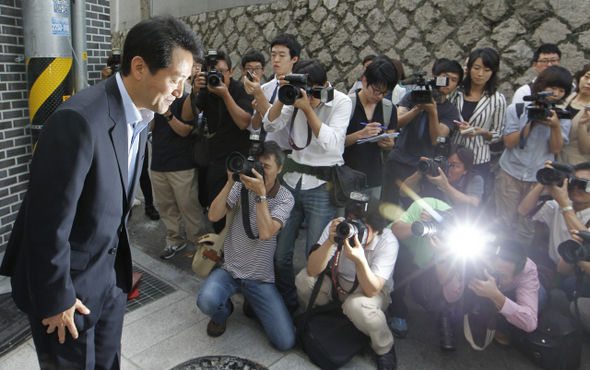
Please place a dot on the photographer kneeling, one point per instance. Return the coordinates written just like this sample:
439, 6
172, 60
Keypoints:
248, 263
453, 181
370, 263
503, 296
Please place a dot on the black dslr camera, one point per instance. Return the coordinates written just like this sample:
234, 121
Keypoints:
541, 108
116, 66
238, 164
424, 91
213, 77
441, 154
355, 226
572, 252
555, 175
291, 92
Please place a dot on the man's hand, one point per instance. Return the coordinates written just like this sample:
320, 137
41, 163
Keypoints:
252, 87
230, 178
552, 121
425, 216
303, 102
219, 90
332, 236
441, 180
370, 130
485, 288
559, 193
106, 72
65, 320
354, 253
255, 106
387, 143
429, 108
199, 82
256, 184
440, 249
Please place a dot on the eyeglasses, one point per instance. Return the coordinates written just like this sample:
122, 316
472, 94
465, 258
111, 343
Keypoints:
257, 70
378, 92
223, 70
544, 62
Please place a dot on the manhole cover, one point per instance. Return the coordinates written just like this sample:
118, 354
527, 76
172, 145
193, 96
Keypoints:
219, 363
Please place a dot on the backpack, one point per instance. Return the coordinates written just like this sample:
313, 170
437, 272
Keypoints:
386, 104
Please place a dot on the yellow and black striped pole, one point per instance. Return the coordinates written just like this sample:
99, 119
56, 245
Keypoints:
51, 84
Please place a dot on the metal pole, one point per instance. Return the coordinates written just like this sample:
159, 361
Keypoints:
79, 44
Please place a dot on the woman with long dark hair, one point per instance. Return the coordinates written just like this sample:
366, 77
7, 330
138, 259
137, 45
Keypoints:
481, 107
578, 149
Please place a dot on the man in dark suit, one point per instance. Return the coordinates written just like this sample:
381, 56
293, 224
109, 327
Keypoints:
69, 255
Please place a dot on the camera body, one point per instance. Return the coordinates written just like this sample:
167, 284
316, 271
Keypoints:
555, 175
540, 109
213, 77
424, 90
349, 228
573, 252
237, 163
116, 66
441, 153
289, 93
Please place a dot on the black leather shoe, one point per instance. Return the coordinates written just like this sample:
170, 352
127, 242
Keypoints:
216, 330
447, 338
152, 212
387, 361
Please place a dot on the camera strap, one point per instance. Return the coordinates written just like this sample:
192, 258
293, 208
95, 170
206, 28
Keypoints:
246, 213
335, 280
291, 141
522, 138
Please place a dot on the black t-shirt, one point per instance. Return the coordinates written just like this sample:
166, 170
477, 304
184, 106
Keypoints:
170, 151
414, 139
228, 136
366, 157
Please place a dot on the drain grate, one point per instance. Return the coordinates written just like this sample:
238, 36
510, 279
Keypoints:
151, 289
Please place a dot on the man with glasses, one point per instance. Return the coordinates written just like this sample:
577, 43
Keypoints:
547, 55
227, 111
369, 119
253, 62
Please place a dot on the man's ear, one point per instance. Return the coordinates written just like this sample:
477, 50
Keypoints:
295, 59
139, 67
280, 169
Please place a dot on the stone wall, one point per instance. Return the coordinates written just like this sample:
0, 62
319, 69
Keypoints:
340, 33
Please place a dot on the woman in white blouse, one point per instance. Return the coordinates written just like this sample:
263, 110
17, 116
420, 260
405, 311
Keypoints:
481, 107
578, 148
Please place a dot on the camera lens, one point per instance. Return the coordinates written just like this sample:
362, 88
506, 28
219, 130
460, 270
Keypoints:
426, 166
288, 94
549, 176
213, 80
420, 228
346, 230
236, 163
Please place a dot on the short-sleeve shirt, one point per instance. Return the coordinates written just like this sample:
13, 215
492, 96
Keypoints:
170, 151
420, 247
229, 137
523, 164
381, 255
414, 139
366, 157
253, 259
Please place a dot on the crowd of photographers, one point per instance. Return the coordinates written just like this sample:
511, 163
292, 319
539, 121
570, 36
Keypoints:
457, 170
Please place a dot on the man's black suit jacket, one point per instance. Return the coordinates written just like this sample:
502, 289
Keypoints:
70, 238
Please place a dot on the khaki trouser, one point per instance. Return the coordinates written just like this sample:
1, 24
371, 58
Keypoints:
367, 314
177, 197
509, 192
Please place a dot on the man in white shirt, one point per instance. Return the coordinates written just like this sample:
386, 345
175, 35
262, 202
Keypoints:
284, 53
547, 55
316, 132
569, 209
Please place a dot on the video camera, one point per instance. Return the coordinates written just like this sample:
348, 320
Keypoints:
213, 77
540, 109
424, 91
441, 154
289, 93
355, 226
573, 252
555, 175
116, 66
237, 163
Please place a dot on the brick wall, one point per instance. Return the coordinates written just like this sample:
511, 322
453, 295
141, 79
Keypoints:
15, 140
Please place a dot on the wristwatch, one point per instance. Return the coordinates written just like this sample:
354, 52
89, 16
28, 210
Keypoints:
260, 199
168, 117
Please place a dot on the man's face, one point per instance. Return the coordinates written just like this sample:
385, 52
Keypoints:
282, 63
578, 195
255, 68
505, 271
196, 68
374, 93
558, 92
271, 170
221, 66
453, 82
157, 92
545, 61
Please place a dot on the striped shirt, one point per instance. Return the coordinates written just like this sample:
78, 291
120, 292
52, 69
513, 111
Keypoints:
489, 114
253, 259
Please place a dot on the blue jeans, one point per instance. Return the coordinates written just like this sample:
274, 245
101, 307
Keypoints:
313, 205
214, 301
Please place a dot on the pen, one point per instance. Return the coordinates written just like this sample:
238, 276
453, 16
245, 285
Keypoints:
461, 123
365, 123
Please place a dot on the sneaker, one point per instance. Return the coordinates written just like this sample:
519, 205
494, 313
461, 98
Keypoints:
387, 361
248, 310
152, 212
171, 250
399, 327
216, 330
